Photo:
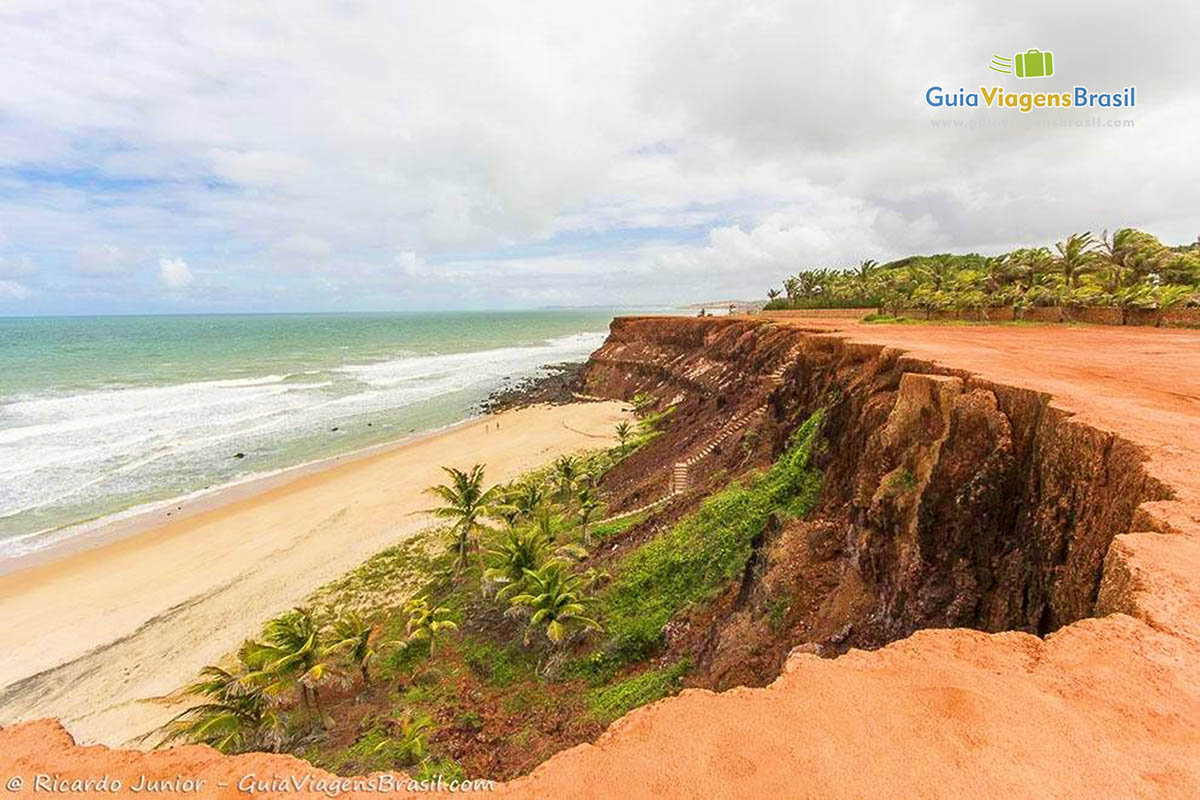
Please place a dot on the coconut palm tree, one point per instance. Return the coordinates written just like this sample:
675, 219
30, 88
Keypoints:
792, 288
588, 502
935, 272
465, 502
236, 715
863, 279
1076, 255
425, 624
529, 498
1026, 267
352, 639
624, 431
1132, 254
566, 470
516, 554
290, 654
555, 598
409, 742
1176, 268
506, 509
543, 522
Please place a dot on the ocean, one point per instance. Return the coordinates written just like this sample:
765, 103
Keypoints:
100, 415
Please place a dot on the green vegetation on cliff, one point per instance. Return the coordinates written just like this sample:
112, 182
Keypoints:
709, 548
487, 646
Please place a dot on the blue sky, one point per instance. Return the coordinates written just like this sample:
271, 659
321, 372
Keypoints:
227, 156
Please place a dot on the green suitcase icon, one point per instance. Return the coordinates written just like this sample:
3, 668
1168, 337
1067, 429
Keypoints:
1035, 64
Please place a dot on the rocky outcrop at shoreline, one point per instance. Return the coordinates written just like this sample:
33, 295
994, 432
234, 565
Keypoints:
556, 384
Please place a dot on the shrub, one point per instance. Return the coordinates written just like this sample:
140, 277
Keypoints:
611, 702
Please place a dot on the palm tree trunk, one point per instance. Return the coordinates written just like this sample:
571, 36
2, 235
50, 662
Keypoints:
366, 676
305, 704
317, 703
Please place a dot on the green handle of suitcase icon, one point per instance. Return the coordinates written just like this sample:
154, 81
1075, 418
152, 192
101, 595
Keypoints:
1034, 63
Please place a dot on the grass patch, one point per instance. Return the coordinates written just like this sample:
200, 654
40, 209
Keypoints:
383, 581
499, 665
612, 702
707, 549
607, 530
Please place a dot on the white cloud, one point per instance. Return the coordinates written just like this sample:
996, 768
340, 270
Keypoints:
12, 290
103, 261
411, 265
731, 141
16, 266
174, 273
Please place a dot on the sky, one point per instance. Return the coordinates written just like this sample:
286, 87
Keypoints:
177, 157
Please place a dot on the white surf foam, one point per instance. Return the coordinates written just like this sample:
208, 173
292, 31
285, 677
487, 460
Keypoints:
118, 446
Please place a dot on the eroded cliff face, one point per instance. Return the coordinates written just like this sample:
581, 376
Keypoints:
948, 502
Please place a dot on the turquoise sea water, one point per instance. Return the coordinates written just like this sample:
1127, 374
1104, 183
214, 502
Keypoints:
102, 414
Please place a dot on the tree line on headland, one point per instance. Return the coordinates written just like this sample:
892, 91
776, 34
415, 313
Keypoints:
1129, 269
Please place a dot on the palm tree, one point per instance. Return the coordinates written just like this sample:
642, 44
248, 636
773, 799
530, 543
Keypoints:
642, 403
529, 498
1131, 254
352, 637
566, 471
588, 504
624, 431
507, 510
543, 522
290, 654
935, 272
772, 294
425, 624
519, 552
792, 288
555, 597
465, 502
863, 277
1076, 256
997, 273
410, 740
235, 717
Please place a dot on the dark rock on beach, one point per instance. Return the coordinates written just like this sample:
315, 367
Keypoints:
556, 385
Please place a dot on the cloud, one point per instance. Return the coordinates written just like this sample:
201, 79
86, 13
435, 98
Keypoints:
102, 261
724, 141
16, 266
411, 265
303, 246
174, 273
12, 290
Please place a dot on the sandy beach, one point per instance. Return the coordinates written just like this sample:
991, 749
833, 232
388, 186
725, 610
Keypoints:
101, 637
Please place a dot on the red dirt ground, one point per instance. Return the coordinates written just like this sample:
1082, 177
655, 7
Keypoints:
1106, 707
